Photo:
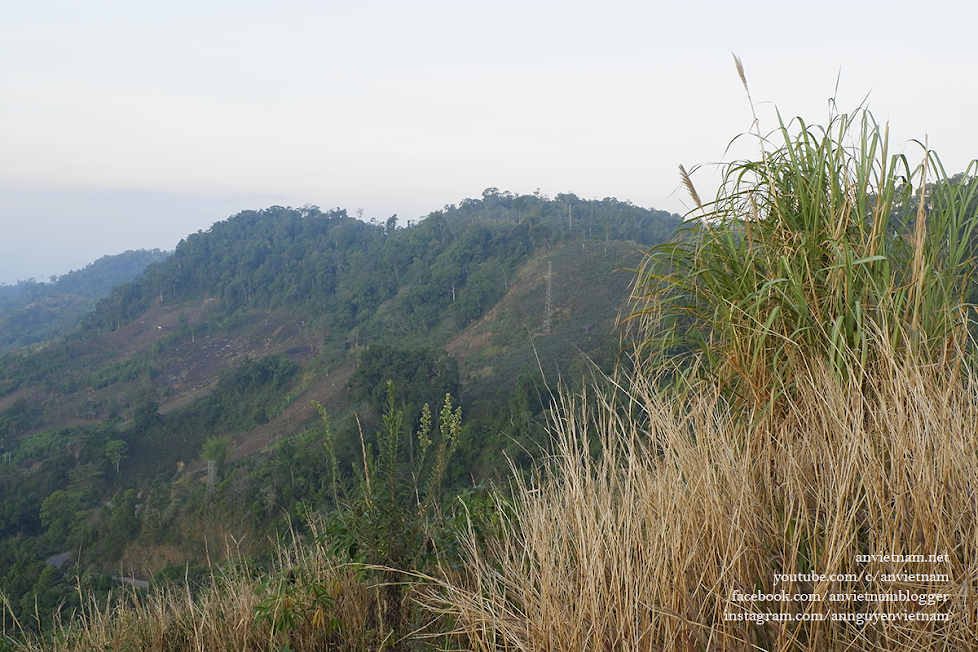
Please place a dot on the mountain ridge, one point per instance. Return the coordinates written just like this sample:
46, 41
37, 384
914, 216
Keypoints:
232, 337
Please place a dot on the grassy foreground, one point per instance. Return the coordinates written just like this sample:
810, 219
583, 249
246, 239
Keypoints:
313, 603
810, 480
645, 546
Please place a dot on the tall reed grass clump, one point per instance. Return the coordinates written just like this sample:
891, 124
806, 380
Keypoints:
806, 251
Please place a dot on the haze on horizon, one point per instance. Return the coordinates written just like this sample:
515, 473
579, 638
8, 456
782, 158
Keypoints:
128, 126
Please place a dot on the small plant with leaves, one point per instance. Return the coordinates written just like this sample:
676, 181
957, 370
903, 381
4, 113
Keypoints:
389, 513
295, 601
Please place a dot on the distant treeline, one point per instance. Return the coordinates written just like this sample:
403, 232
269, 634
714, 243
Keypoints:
33, 311
95, 280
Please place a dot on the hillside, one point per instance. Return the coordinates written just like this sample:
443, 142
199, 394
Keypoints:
589, 282
321, 286
221, 349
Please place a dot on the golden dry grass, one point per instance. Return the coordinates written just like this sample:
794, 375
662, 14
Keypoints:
643, 546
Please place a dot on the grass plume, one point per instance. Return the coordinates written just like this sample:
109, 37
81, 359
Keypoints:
803, 254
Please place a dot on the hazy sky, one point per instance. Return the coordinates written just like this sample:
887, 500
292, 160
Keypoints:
128, 124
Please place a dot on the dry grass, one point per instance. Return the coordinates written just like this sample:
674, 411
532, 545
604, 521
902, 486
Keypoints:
227, 615
643, 546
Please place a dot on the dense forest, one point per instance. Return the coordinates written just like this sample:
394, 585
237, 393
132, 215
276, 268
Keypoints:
130, 440
341, 269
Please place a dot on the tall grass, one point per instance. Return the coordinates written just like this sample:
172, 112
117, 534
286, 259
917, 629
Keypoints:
642, 547
806, 250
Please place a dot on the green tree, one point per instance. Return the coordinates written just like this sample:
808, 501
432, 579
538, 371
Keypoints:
116, 450
217, 449
59, 511
419, 376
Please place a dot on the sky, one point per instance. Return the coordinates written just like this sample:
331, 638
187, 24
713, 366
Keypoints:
127, 125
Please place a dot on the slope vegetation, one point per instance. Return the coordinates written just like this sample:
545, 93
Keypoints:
218, 352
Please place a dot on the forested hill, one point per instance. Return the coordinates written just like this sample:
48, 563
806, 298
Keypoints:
317, 289
31, 311
219, 351
339, 269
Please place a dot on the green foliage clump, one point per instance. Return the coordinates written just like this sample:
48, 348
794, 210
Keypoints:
125, 371
217, 449
20, 417
245, 396
390, 513
809, 251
